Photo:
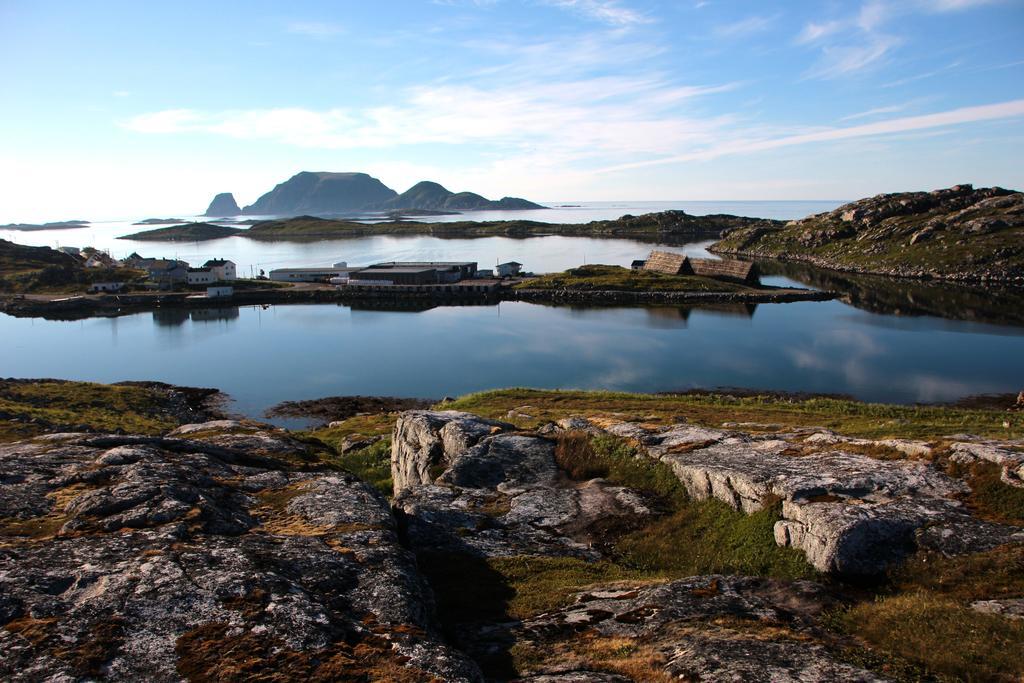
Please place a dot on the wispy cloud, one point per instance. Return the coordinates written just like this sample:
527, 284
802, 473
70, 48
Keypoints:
605, 11
879, 111
745, 27
814, 32
571, 119
320, 30
745, 145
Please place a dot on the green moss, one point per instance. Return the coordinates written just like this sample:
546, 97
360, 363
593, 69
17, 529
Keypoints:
616, 278
371, 464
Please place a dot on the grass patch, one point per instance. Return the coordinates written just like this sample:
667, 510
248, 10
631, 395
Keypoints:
372, 465
990, 498
34, 407
709, 537
997, 573
358, 425
853, 418
616, 278
943, 636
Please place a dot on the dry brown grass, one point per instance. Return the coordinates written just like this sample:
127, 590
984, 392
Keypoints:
207, 654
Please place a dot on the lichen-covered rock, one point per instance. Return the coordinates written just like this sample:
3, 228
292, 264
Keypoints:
707, 628
503, 496
998, 453
850, 513
423, 439
137, 558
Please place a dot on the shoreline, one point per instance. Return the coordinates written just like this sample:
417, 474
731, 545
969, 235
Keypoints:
919, 275
72, 307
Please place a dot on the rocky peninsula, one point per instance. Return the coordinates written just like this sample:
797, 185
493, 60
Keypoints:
959, 234
527, 535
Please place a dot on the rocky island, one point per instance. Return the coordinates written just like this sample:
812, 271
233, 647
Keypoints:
186, 232
326, 194
960, 234
223, 205
528, 535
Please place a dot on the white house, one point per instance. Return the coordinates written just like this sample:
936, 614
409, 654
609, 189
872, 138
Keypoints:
100, 260
201, 276
219, 292
71, 251
222, 269
510, 269
106, 287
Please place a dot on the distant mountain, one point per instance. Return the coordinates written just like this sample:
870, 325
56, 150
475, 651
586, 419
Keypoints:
435, 197
322, 193
331, 194
223, 204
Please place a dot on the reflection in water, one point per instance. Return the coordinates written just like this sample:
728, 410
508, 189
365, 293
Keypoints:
175, 317
895, 296
308, 351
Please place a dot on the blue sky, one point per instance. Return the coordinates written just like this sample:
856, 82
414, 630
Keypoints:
128, 109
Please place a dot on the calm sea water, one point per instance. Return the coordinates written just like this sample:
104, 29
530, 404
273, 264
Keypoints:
893, 344
263, 356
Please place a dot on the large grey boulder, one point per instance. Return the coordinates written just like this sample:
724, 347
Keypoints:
424, 440
463, 485
138, 558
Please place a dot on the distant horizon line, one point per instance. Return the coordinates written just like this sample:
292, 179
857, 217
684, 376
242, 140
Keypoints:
561, 204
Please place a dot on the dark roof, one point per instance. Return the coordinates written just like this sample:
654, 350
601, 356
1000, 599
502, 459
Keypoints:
510, 263
374, 270
216, 262
422, 264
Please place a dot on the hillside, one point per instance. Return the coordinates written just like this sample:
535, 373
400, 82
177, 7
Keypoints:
41, 269
188, 232
325, 193
958, 233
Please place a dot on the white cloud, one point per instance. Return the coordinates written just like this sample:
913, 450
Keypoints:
877, 111
814, 32
572, 119
843, 60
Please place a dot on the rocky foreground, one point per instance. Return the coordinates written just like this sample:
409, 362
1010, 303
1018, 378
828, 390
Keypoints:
230, 550
960, 233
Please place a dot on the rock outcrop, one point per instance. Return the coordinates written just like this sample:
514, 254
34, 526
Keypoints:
472, 491
959, 233
851, 514
690, 627
466, 485
223, 205
216, 554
